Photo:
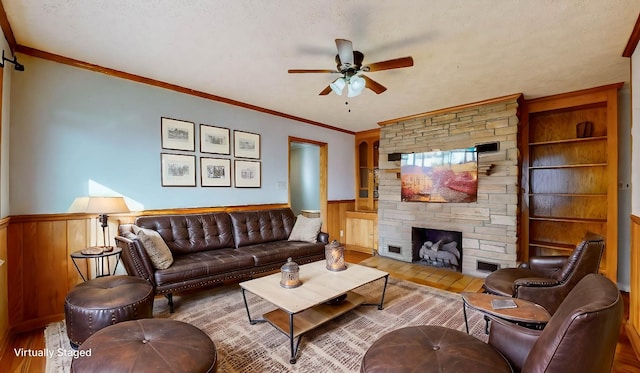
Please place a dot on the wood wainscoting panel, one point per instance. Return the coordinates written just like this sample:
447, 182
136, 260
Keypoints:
39, 268
4, 287
336, 219
633, 324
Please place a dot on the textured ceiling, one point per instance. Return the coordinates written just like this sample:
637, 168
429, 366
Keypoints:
464, 51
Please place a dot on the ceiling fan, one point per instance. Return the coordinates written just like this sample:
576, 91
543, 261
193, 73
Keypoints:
349, 64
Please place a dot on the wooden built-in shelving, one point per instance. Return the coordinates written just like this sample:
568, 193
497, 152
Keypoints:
569, 177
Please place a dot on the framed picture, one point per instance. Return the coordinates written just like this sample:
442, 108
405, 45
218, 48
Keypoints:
178, 169
177, 134
214, 140
247, 174
246, 145
215, 172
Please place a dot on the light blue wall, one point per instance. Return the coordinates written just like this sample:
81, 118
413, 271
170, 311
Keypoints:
305, 178
76, 132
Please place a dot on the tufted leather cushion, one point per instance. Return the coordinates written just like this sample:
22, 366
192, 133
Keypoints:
430, 348
104, 301
255, 227
150, 345
202, 265
186, 234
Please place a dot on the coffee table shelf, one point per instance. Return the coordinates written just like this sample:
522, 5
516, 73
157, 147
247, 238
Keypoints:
304, 308
314, 316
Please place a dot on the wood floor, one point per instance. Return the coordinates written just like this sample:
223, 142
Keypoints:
625, 360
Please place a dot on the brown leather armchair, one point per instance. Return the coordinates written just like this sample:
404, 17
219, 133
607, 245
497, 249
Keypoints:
546, 280
580, 337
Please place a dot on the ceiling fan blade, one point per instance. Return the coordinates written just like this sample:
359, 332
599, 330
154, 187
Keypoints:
325, 91
390, 64
303, 71
373, 85
345, 51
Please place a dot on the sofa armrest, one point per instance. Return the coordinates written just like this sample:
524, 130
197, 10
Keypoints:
323, 237
512, 341
134, 256
547, 266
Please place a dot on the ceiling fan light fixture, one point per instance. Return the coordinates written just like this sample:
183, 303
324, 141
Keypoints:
338, 85
356, 86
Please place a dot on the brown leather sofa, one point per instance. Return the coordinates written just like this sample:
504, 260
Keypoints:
215, 248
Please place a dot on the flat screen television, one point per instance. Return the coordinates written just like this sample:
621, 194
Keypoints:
440, 176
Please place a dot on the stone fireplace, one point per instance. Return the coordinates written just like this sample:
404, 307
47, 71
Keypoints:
488, 226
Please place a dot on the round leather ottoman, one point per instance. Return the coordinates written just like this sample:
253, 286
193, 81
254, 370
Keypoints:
431, 349
104, 301
147, 345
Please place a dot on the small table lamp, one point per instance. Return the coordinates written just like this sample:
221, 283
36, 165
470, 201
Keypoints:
101, 206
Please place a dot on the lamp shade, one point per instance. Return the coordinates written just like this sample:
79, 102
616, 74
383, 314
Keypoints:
356, 86
338, 85
99, 205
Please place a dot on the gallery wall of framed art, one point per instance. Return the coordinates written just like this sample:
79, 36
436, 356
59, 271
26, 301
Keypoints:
180, 166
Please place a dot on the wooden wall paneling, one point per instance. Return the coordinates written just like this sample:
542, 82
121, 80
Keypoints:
633, 324
78, 238
15, 272
336, 219
39, 268
4, 295
46, 252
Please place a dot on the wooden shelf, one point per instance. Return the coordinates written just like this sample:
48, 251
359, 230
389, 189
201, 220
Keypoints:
564, 141
312, 317
567, 220
554, 246
570, 184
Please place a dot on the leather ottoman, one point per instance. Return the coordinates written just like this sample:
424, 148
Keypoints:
104, 301
147, 345
431, 349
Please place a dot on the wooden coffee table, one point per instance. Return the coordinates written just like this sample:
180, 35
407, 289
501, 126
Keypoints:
303, 308
528, 313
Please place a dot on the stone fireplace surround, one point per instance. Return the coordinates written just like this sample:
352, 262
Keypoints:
488, 226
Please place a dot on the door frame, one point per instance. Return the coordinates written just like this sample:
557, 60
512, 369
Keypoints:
323, 174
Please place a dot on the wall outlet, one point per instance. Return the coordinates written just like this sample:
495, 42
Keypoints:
341, 233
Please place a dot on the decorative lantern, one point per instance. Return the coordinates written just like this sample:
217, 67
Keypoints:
334, 253
290, 275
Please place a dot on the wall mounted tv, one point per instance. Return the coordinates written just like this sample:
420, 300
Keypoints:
440, 176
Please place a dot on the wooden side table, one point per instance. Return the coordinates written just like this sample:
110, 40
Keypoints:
99, 261
526, 312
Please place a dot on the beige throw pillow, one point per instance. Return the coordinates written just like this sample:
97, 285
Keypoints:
156, 248
306, 229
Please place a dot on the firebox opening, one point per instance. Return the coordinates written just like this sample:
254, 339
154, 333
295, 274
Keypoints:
437, 248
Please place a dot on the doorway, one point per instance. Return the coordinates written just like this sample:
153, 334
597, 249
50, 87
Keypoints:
308, 178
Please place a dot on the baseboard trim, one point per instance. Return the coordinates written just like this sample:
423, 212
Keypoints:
4, 342
30, 325
634, 338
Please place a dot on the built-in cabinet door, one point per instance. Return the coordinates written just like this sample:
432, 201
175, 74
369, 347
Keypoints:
362, 231
367, 144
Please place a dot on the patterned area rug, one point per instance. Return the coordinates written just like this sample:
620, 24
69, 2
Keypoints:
337, 346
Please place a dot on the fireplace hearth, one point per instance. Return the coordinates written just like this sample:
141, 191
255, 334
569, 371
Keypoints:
437, 248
